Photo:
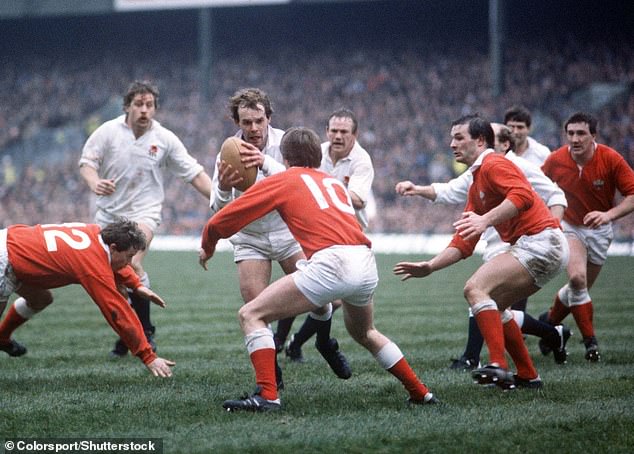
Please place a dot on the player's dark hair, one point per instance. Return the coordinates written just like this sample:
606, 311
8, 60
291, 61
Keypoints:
518, 113
478, 127
583, 117
140, 87
124, 234
344, 113
506, 135
301, 147
249, 98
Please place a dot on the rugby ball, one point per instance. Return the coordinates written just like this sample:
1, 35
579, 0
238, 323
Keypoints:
230, 153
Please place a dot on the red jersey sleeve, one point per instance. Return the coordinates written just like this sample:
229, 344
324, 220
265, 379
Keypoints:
56, 255
128, 277
254, 203
119, 315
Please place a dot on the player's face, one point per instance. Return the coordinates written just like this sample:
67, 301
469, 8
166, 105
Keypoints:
254, 125
119, 259
340, 135
497, 145
580, 139
465, 149
140, 112
519, 129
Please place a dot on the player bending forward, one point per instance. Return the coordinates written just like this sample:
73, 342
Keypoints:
340, 264
34, 259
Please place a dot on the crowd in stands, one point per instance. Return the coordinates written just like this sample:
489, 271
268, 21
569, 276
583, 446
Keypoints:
405, 99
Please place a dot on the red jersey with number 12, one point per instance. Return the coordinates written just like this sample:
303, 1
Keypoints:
55, 255
315, 206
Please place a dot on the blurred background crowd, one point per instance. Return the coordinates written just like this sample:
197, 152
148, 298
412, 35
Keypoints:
405, 94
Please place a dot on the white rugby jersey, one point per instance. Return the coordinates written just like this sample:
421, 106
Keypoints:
136, 166
535, 152
273, 163
355, 171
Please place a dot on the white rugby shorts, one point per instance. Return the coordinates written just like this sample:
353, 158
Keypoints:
150, 220
544, 255
597, 241
277, 245
338, 272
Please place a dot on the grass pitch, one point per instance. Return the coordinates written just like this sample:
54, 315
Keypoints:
67, 387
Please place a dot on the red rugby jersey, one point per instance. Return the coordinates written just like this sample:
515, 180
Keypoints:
55, 255
593, 186
496, 179
315, 206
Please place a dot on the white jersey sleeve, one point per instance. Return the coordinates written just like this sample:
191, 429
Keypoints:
549, 192
455, 191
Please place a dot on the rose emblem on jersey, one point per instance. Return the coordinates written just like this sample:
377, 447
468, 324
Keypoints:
153, 151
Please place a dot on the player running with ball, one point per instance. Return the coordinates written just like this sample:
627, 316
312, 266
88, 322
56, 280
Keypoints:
340, 265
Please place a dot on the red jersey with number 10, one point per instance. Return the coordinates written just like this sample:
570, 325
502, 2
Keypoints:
315, 206
54, 255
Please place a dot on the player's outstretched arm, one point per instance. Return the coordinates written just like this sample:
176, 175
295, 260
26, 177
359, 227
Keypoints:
146, 293
445, 258
412, 269
161, 367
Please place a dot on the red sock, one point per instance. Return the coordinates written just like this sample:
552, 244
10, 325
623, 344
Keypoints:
558, 311
583, 316
516, 347
11, 321
407, 376
490, 326
263, 361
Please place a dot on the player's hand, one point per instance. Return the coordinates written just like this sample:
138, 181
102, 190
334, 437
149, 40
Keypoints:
595, 219
203, 258
251, 156
470, 225
405, 188
412, 269
228, 177
104, 187
146, 293
161, 367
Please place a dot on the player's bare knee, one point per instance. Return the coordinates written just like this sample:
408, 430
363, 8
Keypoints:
243, 315
578, 281
472, 292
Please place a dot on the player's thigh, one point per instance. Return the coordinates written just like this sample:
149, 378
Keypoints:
289, 265
281, 299
254, 276
137, 260
503, 278
578, 258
